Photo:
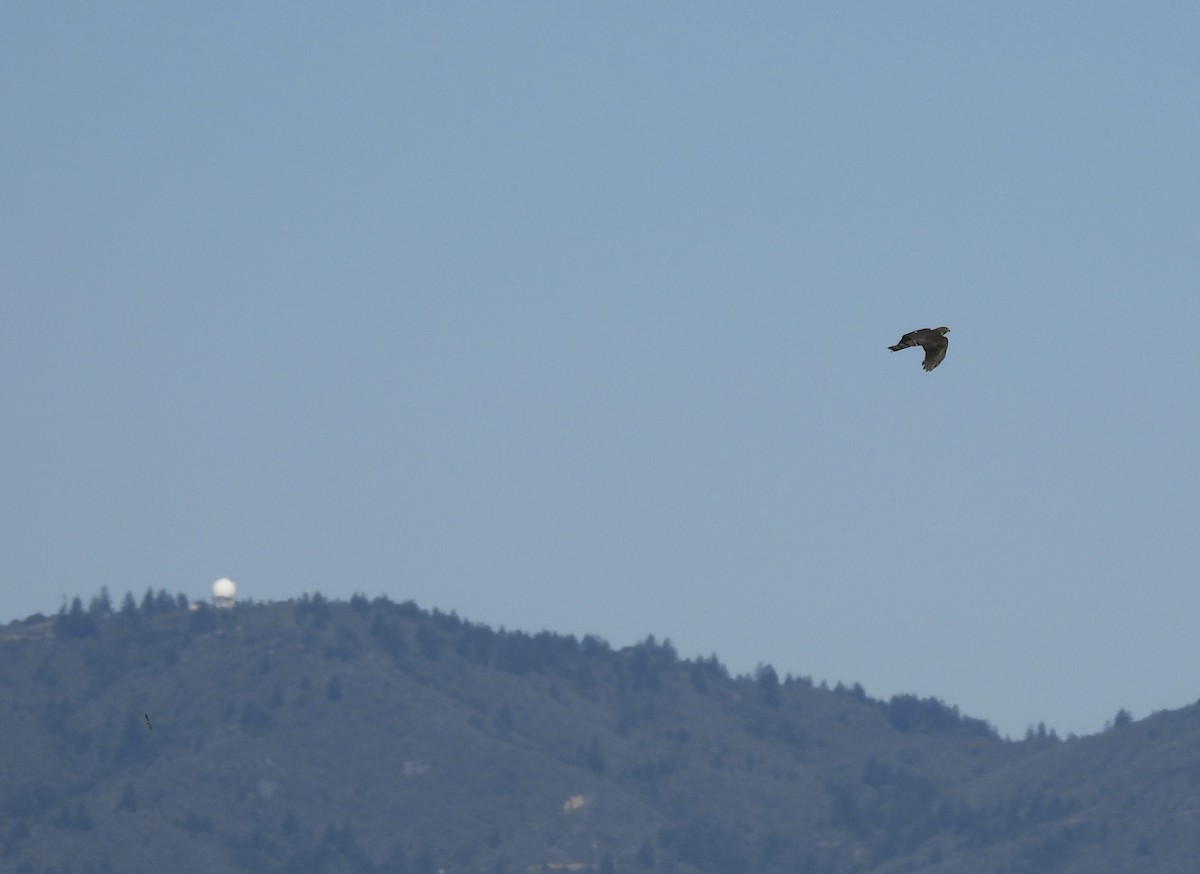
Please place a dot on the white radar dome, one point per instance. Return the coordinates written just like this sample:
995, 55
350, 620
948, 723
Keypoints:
224, 588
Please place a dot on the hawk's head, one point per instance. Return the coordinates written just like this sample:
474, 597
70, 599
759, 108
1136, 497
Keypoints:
942, 331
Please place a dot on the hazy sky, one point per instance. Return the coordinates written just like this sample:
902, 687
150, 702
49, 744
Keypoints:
575, 316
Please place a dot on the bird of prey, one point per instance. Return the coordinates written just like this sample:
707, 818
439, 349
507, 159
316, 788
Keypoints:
932, 340
146, 716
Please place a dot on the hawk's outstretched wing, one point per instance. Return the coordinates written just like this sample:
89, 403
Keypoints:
932, 340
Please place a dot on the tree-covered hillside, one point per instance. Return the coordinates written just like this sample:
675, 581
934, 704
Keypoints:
372, 737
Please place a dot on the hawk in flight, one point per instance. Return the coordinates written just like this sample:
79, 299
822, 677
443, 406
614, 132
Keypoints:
146, 716
932, 340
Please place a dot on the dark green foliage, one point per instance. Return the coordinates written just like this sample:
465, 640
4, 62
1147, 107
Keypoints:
476, 642
346, 646
313, 611
894, 809
135, 745
909, 713
409, 610
161, 602
128, 606
101, 605
429, 641
768, 685
1041, 734
387, 633
642, 667
203, 620
75, 622
455, 746
514, 654
704, 672
449, 622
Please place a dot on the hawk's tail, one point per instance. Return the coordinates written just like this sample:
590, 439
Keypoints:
899, 346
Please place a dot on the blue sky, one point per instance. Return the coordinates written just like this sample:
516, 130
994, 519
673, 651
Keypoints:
575, 316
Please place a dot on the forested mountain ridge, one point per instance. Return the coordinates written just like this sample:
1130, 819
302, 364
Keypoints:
371, 737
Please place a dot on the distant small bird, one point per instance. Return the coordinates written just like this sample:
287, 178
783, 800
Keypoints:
146, 716
932, 340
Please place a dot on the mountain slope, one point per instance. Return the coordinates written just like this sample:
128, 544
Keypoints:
374, 737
